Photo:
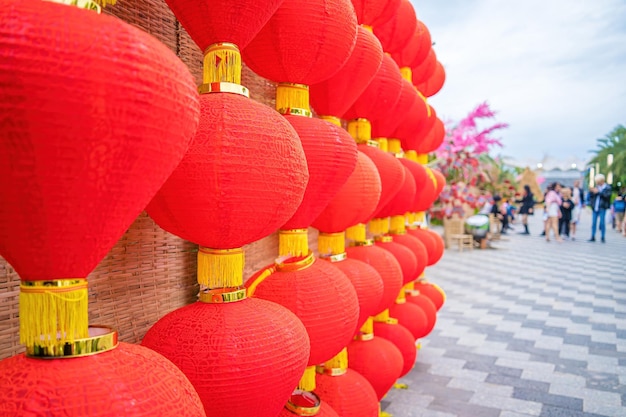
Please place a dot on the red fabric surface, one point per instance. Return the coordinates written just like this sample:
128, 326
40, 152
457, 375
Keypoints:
382, 93
425, 69
429, 308
235, 354
355, 202
331, 156
417, 247
128, 381
385, 127
375, 12
433, 139
304, 42
405, 56
368, 285
378, 360
426, 195
408, 130
95, 116
402, 202
334, 96
391, 174
234, 21
441, 180
224, 192
412, 317
406, 259
323, 298
430, 291
325, 410
416, 138
388, 268
425, 44
350, 394
433, 84
397, 31
433, 242
402, 339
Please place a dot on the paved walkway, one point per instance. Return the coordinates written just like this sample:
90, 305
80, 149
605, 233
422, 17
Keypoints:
529, 329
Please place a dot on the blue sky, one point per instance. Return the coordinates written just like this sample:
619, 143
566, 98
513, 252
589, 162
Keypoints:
555, 70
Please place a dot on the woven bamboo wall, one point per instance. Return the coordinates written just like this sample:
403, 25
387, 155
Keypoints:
149, 272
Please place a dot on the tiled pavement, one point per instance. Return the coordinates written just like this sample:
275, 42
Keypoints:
530, 328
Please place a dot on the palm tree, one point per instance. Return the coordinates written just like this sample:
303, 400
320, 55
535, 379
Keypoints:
614, 143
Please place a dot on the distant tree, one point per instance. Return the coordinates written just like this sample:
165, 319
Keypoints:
613, 143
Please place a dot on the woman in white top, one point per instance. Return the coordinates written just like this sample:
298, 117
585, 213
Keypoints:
553, 208
578, 208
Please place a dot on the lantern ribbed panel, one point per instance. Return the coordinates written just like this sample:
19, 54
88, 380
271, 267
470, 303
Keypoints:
225, 351
355, 202
426, 195
81, 157
402, 339
425, 69
416, 247
402, 202
378, 360
304, 42
397, 31
429, 308
129, 380
234, 21
223, 193
368, 285
432, 292
408, 130
441, 180
428, 240
388, 268
325, 410
375, 12
391, 174
385, 127
425, 44
312, 295
416, 49
439, 244
433, 139
331, 156
434, 83
421, 133
404, 256
350, 394
335, 95
382, 93
412, 317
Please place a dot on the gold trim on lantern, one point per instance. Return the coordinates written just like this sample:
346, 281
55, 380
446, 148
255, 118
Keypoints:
364, 337
224, 87
222, 64
293, 242
331, 243
401, 298
335, 366
395, 147
407, 74
106, 340
222, 295
369, 28
304, 411
357, 232
304, 263
335, 258
293, 98
385, 318
321, 369
307, 380
384, 239
411, 155
366, 242
383, 144
220, 268
422, 158
367, 330
360, 130
379, 226
397, 225
295, 112
331, 119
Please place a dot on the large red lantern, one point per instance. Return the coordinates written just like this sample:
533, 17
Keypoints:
375, 12
432, 291
434, 83
433, 139
402, 339
432, 241
427, 305
425, 69
385, 127
397, 31
441, 180
404, 256
408, 131
415, 246
79, 160
425, 44
410, 316
378, 360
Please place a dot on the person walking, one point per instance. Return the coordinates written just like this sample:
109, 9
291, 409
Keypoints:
599, 200
566, 212
619, 207
553, 203
577, 197
527, 208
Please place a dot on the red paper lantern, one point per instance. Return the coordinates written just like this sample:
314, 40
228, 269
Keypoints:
439, 244
385, 127
425, 41
223, 193
303, 403
402, 202
432, 243
331, 155
225, 350
416, 247
427, 306
334, 96
432, 291
382, 93
378, 360
425, 69
433, 84
407, 131
388, 268
350, 394
320, 295
304, 42
375, 12
433, 139
402, 339
426, 195
397, 31
129, 380
412, 317
404, 256
368, 285
355, 202
441, 180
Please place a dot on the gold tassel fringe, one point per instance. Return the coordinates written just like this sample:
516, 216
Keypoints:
339, 361
360, 130
222, 64
292, 96
332, 119
422, 158
420, 218
383, 144
357, 233
331, 243
395, 146
379, 226
220, 268
401, 299
293, 242
410, 286
411, 155
397, 225
382, 317
307, 382
407, 74
368, 326
53, 312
